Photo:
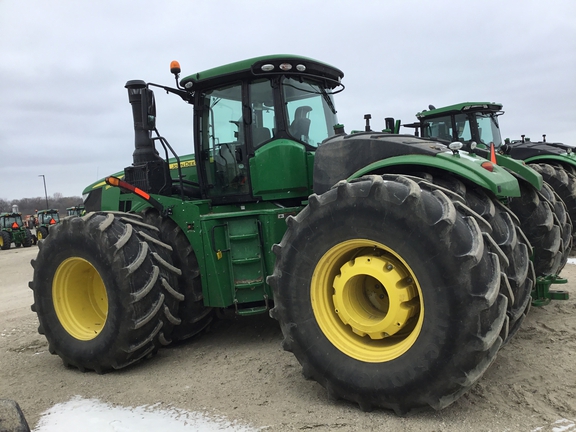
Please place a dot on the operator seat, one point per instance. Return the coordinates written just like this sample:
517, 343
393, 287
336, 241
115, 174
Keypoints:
260, 135
443, 133
300, 126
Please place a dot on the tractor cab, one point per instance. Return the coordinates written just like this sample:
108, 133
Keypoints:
254, 137
257, 124
465, 122
75, 211
48, 217
11, 221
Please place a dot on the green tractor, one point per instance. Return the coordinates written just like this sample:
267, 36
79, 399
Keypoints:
390, 289
76, 211
46, 219
12, 230
477, 122
542, 213
556, 162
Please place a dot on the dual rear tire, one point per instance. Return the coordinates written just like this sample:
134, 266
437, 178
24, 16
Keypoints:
388, 294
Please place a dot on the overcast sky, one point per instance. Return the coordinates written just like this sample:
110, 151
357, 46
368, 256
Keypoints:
64, 112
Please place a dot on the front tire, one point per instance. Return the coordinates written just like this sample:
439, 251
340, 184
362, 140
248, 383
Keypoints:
42, 233
100, 285
388, 295
563, 180
195, 317
544, 220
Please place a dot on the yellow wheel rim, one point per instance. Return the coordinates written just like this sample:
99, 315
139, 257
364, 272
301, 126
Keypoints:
367, 301
80, 299
39, 235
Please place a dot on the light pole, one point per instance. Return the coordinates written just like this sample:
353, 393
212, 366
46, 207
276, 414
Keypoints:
45, 193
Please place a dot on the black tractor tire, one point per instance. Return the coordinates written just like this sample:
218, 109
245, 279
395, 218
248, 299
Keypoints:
195, 317
17, 245
103, 291
563, 219
27, 238
11, 417
5, 240
388, 294
518, 276
563, 180
41, 233
545, 222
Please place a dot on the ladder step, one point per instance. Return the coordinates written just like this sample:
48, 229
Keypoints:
243, 236
252, 310
248, 285
246, 260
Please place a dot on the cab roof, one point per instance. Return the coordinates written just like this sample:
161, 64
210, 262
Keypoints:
263, 65
464, 106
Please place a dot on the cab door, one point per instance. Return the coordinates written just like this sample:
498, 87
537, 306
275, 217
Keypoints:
221, 123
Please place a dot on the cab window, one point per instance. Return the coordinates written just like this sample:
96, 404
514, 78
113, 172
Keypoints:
263, 121
310, 110
439, 127
223, 142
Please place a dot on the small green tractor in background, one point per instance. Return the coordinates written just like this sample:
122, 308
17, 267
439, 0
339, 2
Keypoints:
76, 211
12, 230
391, 289
46, 219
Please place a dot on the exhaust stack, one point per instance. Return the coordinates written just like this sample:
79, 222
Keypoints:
143, 112
149, 171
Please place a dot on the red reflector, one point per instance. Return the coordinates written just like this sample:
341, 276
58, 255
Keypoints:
52, 222
15, 225
488, 166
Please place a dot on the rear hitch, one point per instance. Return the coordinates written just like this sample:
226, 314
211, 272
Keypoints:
542, 294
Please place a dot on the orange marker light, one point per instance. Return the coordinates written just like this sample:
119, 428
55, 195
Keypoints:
113, 181
15, 226
174, 67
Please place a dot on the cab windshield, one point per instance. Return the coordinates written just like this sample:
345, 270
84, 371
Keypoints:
488, 129
310, 110
8, 220
45, 218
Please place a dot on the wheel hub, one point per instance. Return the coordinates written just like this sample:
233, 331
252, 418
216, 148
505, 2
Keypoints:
80, 298
367, 301
373, 295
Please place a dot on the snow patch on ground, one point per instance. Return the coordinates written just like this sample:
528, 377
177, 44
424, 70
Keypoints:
92, 415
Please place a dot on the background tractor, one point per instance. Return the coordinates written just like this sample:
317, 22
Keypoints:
478, 122
390, 290
542, 213
45, 219
555, 161
76, 211
12, 230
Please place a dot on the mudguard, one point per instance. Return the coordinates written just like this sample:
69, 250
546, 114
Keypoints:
518, 167
541, 151
352, 156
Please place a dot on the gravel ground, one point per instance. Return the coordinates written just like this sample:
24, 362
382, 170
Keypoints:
238, 371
